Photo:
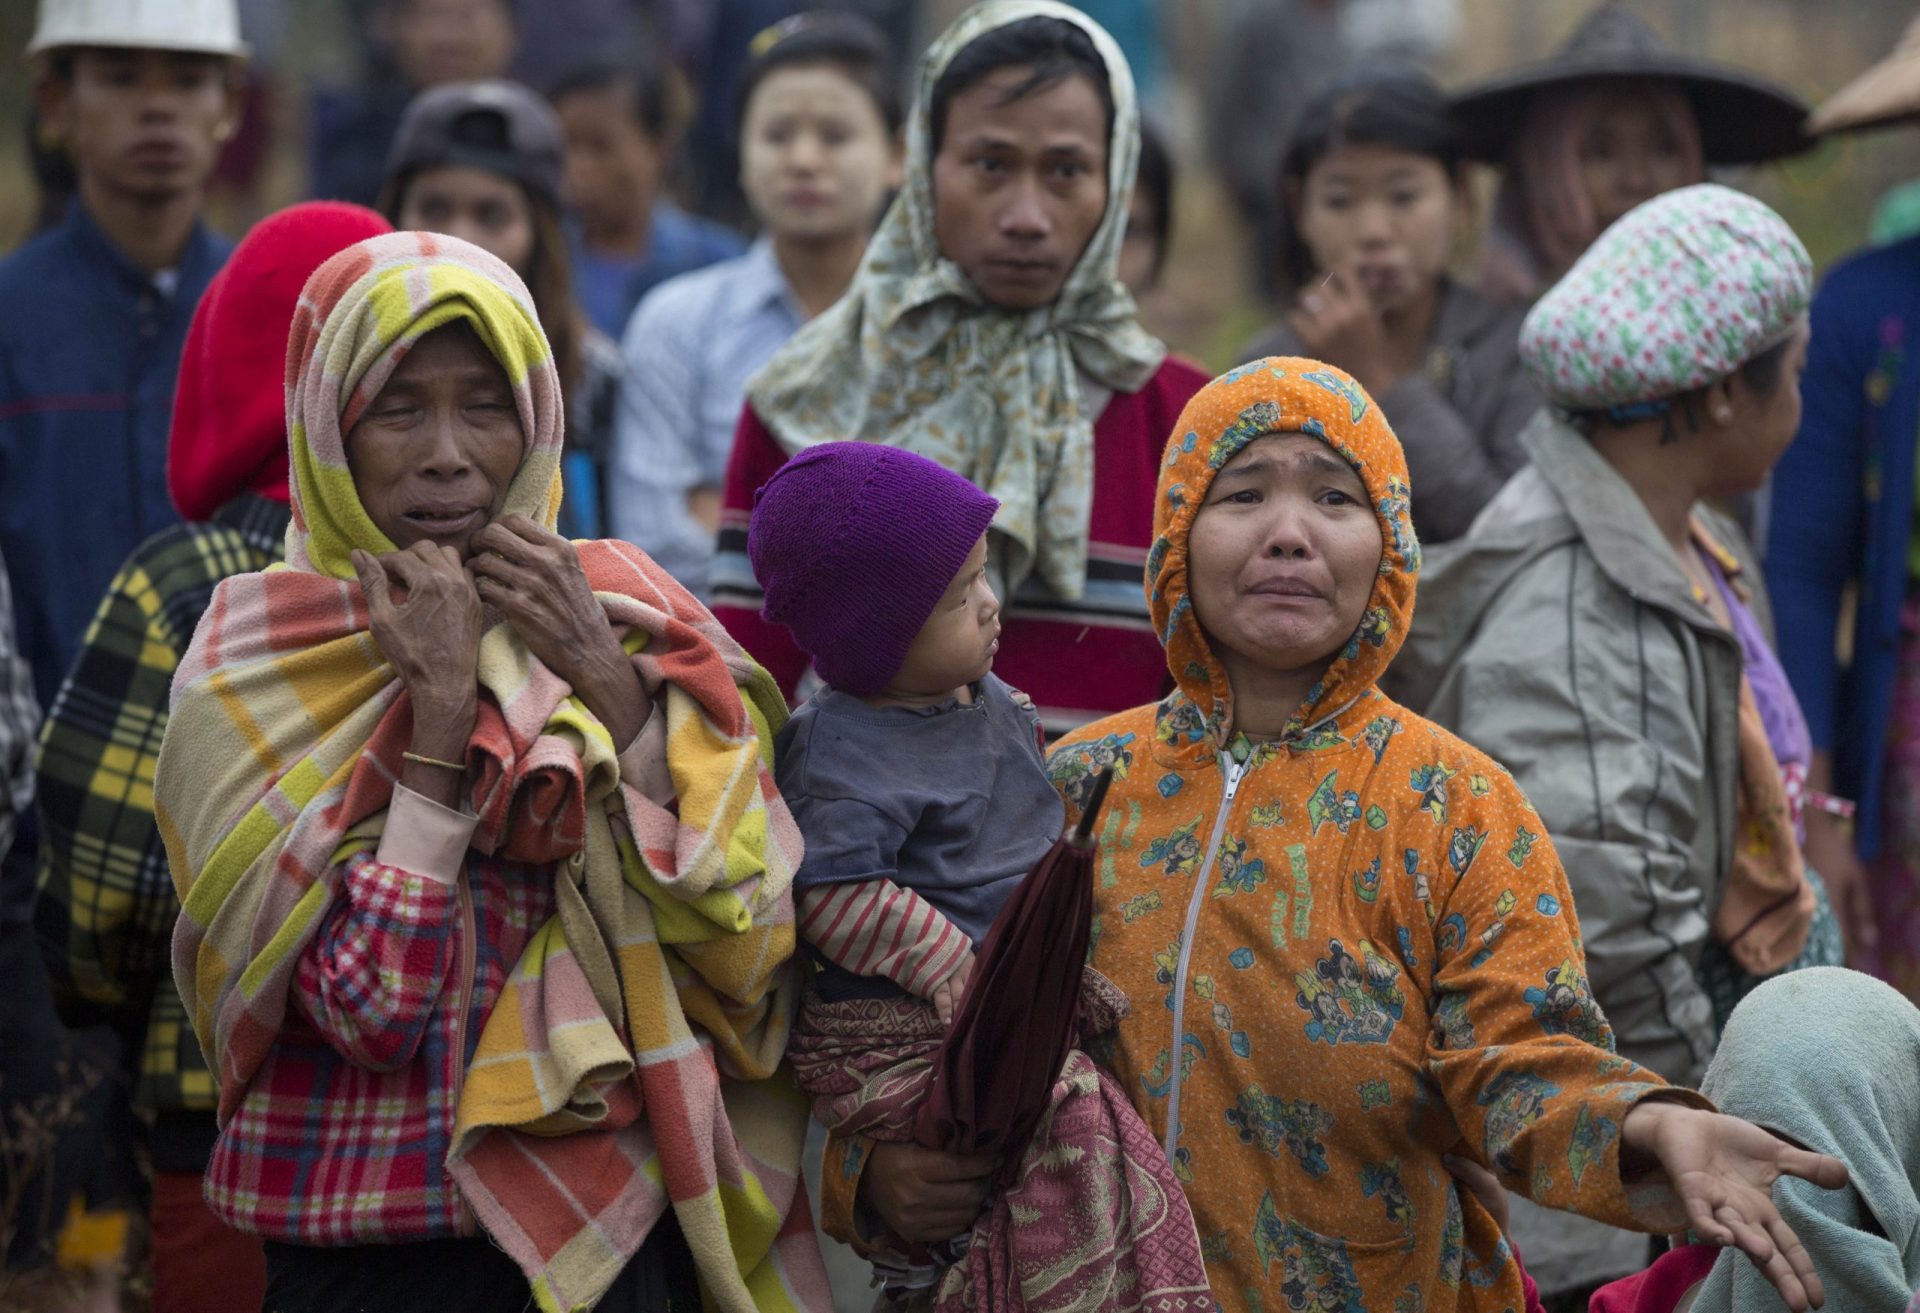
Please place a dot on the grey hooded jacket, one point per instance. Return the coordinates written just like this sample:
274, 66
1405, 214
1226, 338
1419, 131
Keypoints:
1561, 637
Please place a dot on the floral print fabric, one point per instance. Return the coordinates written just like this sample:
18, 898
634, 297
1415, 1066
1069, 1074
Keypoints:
1681, 292
1349, 950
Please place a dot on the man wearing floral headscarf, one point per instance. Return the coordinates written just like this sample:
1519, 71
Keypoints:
1606, 636
988, 330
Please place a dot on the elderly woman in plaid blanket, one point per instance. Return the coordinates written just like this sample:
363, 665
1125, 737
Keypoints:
484, 874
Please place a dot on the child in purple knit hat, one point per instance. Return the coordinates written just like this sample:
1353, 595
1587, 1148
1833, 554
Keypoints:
916, 777
918, 783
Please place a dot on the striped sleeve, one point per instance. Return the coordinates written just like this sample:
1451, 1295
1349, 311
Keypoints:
877, 928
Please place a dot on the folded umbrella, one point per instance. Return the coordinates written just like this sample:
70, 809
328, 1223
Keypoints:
994, 1074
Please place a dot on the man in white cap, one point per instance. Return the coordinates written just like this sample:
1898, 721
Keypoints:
93, 314
139, 94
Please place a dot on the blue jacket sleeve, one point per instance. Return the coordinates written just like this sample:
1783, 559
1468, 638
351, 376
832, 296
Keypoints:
1819, 497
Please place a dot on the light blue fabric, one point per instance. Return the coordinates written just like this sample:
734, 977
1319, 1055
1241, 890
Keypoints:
1831, 1059
609, 288
690, 349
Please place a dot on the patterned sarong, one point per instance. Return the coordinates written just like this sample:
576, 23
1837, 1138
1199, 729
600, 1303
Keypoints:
1094, 1220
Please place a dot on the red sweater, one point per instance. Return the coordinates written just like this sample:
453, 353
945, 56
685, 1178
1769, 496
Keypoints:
1079, 660
343, 1136
1661, 1287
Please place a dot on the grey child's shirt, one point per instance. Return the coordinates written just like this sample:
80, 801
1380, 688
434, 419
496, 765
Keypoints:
950, 801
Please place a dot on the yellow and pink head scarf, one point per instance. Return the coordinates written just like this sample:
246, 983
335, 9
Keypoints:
360, 314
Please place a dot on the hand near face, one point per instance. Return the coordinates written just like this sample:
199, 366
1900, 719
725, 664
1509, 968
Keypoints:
534, 577
1685, 1168
1337, 323
426, 618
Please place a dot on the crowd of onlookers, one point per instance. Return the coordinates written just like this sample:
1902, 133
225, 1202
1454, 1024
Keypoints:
1659, 492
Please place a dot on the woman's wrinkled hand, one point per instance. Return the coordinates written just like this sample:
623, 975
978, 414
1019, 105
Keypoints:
426, 618
1688, 1169
924, 1195
535, 579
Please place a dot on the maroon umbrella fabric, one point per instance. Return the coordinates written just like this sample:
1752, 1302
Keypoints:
994, 1073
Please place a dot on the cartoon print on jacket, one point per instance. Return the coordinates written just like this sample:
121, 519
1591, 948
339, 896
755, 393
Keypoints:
1514, 1100
1269, 1124
1316, 1272
1565, 1005
1351, 1002
1360, 1005
1591, 1136
1178, 852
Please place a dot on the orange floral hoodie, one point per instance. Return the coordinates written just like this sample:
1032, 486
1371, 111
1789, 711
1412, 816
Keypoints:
1348, 950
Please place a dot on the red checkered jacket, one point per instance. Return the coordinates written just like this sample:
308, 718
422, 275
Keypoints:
343, 1136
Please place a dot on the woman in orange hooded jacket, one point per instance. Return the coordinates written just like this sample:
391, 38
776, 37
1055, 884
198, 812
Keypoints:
1352, 921
1347, 939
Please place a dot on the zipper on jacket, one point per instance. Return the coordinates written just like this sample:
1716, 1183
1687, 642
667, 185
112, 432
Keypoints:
1235, 772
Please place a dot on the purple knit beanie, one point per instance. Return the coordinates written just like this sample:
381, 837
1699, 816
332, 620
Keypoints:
854, 544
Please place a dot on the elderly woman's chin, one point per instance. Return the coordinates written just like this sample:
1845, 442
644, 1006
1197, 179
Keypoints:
446, 526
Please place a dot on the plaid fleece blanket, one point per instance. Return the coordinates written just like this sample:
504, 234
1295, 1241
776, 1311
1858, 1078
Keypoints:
1094, 1220
634, 1060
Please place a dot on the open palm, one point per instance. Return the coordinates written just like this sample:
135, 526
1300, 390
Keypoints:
1688, 1169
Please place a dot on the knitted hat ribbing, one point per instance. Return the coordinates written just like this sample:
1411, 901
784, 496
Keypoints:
854, 544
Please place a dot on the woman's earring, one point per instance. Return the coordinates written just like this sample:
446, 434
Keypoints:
1722, 414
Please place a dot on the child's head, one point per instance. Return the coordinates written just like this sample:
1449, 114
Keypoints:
138, 96
618, 118
819, 126
1372, 182
875, 558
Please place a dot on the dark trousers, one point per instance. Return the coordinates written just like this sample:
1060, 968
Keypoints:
430, 1276
200, 1264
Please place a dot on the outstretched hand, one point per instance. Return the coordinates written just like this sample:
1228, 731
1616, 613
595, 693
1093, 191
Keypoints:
1688, 1169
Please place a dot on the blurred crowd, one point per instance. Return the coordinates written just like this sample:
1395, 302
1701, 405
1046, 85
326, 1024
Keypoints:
1658, 483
